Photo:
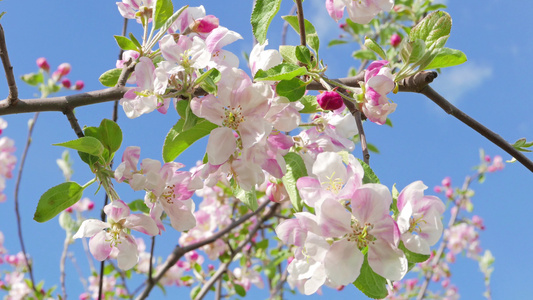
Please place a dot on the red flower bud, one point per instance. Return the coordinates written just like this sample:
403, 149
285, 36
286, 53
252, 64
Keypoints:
329, 100
66, 83
42, 63
79, 85
395, 40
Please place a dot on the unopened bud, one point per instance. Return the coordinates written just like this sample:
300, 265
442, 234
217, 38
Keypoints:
43, 64
79, 85
64, 69
66, 83
395, 40
329, 100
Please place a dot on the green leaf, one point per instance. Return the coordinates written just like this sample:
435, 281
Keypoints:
139, 205
177, 140
293, 89
295, 169
370, 176
370, 283
2, 14
336, 42
166, 25
239, 290
208, 81
262, 14
211, 73
247, 197
364, 54
86, 144
310, 105
33, 79
434, 26
288, 53
110, 78
57, 199
108, 133
163, 10
311, 37
283, 71
372, 45
135, 41
303, 55
125, 44
412, 256
372, 148
447, 57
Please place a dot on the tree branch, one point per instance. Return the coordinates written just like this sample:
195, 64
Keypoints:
470, 122
301, 21
223, 267
180, 251
8, 68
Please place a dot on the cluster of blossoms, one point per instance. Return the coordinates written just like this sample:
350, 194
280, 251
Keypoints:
59, 74
7, 159
360, 11
351, 218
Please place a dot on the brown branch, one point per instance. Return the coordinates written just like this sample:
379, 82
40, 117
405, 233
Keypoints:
207, 286
8, 68
481, 129
74, 122
358, 121
301, 21
180, 251
63, 103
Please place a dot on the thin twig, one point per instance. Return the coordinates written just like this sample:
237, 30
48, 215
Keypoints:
62, 265
101, 279
150, 268
362, 137
180, 251
218, 289
481, 129
74, 123
301, 21
16, 198
207, 286
8, 68
440, 251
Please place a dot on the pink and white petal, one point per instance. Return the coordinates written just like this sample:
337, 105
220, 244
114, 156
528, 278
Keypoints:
117, 210
334, 220
221, 145
128, 255
99, 246
208, 107
343, 262
89, 228
431, 227
180, 214
413, 192
387, 261
253, 131
328, 167
335, 9
315, 282
141, 223
291, 232
371, 202
310, 190
220, 37
381, 84
415, 243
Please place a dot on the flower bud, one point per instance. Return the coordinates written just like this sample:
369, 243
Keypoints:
42, 63
447, 182
66, 83
64, 69
79, 85
329, 100
395, 40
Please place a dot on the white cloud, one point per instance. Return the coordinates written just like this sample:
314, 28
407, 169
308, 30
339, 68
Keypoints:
456, 82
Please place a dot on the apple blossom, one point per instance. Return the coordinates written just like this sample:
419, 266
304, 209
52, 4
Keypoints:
112, 234
136, 9
419, 218
218, 38
261, 59
359, 11
378, 83
330, 100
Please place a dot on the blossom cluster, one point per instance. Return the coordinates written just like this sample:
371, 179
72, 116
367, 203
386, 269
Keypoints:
356, 217
7, 159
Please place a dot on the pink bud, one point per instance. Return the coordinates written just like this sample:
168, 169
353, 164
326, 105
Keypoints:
210, 267
43, 64
193, 256
340, 288
395, 40
66, 83
487, 158
64, 69
437, 189
342, 25
449, 193
90, 206
478, 222
206, 24
79, 85
447, 182
69, 210
329, 100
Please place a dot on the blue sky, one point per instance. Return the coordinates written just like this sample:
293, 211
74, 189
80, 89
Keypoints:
424, 144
